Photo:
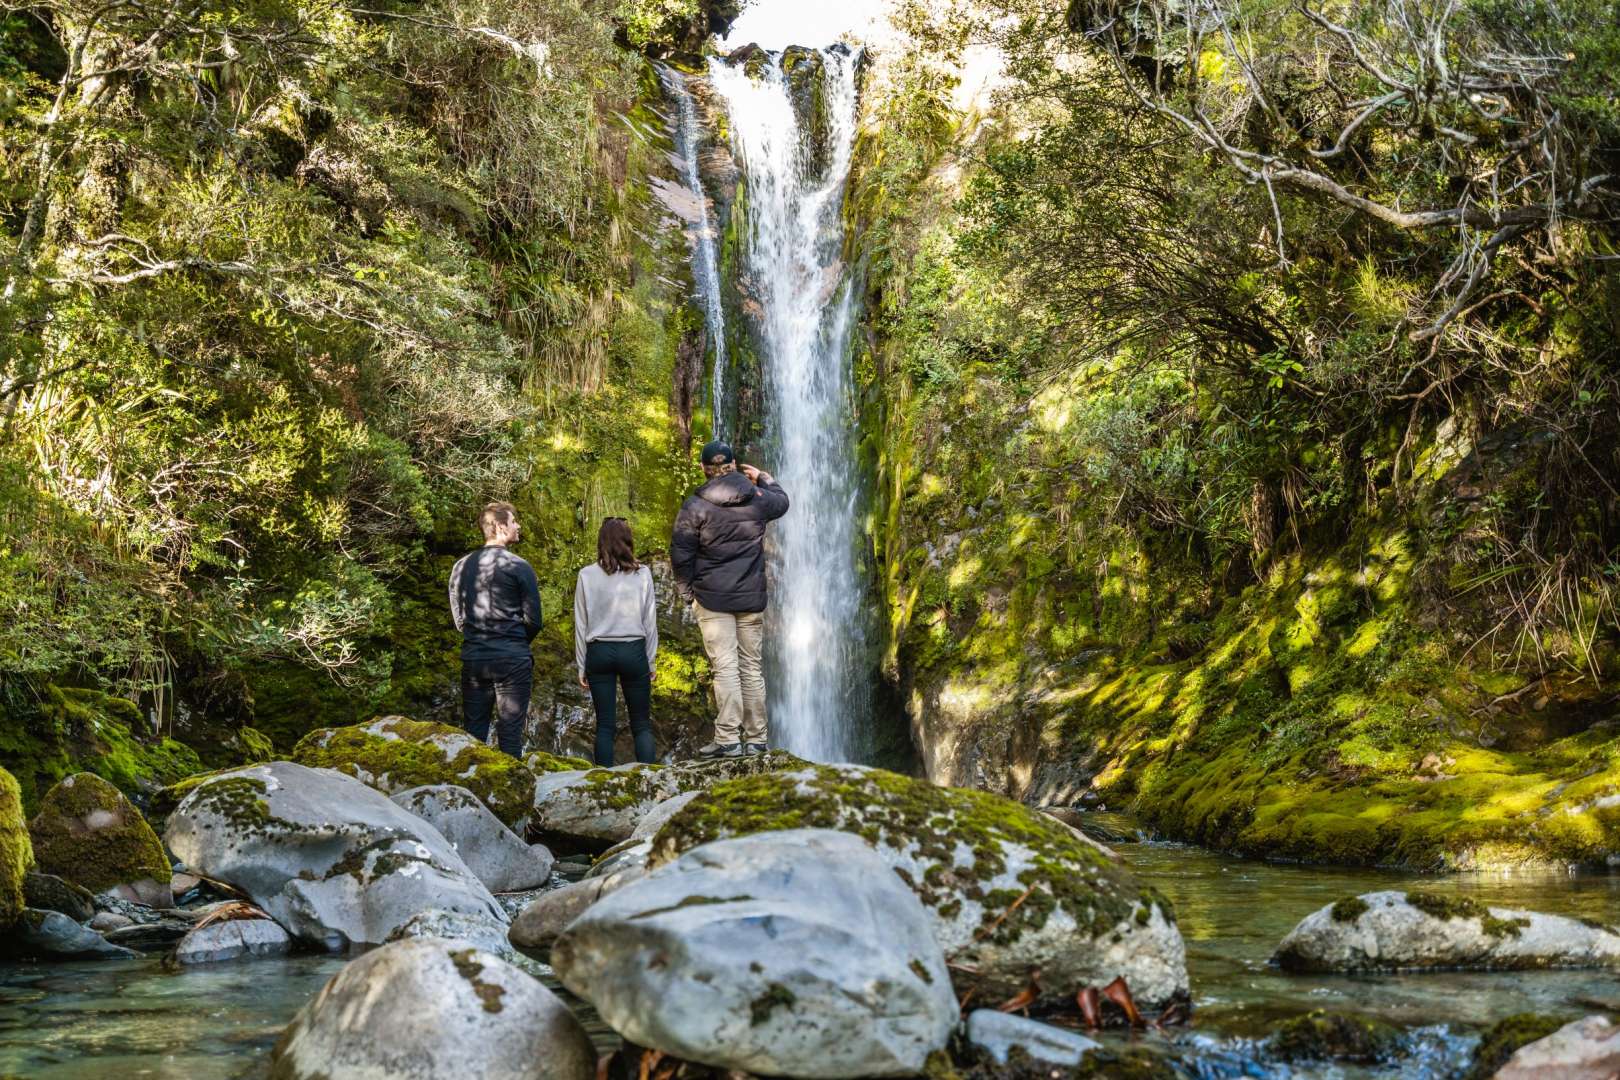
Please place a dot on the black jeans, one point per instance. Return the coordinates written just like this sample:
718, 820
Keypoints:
501, 686
611, 662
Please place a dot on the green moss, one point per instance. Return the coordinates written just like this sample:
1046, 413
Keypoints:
255, 745
470, 968
1324, 1036
920, 969
1349, 909
393, 754
16, 850
540, 762
776, 996
86, 832
1463, 907
1504, 1038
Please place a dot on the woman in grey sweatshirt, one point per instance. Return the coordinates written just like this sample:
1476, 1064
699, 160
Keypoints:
616, 638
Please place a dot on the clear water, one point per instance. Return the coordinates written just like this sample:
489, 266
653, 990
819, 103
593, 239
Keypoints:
701, 236
794, 240
132, 1018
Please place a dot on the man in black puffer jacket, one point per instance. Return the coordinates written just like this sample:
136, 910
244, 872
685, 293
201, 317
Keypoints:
718, 552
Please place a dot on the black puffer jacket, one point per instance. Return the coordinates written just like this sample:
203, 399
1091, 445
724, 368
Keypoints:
718, 550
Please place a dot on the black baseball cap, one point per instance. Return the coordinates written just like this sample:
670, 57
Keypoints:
718, 453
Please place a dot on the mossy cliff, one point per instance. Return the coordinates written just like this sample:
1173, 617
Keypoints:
16, 852
1116, 573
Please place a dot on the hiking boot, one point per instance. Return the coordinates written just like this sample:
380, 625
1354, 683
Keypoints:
755, 748
719, 750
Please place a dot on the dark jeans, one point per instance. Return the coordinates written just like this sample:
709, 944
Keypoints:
501, 686
610, 662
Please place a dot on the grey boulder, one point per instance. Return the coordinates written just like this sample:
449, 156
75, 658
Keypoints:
330, 859
232, 939
543, 921
654, 819
500, 858
476, 930
50, 933
997, 1034
428, 1008
1587, 1049
795, 953
1396, 931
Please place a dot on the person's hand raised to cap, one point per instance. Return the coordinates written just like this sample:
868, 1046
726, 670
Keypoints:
755, 475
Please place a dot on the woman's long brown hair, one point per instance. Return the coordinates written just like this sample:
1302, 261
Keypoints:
615, 547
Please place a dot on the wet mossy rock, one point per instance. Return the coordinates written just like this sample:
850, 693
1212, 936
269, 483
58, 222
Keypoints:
593, 809
394, 754
1323, 1036
1504, 1039
1413, 931
86, 832
1009, 889
16, 852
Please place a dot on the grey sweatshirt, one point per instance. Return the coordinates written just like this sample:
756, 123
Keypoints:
614, 607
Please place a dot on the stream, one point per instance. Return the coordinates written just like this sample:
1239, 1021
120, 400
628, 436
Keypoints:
134, 1019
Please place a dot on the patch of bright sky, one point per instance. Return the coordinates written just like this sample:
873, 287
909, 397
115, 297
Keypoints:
776, 24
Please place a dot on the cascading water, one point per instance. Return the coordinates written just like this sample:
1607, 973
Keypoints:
705, 261
796, 163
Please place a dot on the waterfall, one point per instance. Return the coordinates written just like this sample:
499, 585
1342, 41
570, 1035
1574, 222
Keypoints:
796, 162
705, 262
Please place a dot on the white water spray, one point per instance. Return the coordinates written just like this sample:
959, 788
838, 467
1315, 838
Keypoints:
705, 261
815, 642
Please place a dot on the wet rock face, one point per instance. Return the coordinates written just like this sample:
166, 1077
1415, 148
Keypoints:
330, 859
430, 1008
47, 892
87, 833
16, 851
394, 754
500, 858
1008, 890
1395, 931
788, 954
1587, 1049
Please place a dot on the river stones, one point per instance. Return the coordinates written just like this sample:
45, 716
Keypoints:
1413, 931
428, 1008
500, 858
540, 924
47, 892
333, 861
475, 930
16, 851
232, 939
788, 954
997, 1035
394, 754
1008, 890
86, 832
52, 934
1587, 1049
593, 809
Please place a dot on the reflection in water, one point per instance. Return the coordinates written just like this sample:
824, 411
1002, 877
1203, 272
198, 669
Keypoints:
218, 1022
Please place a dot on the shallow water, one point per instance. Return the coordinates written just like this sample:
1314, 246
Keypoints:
218, 1022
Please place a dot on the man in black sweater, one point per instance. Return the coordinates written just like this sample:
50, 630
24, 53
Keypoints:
495, 601
718, 553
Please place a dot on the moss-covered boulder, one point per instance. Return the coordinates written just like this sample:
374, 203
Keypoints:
1415, 931
86, 832
16, 852
1323, 1036
593, 809
1010, 891
1503, 1040
394, 754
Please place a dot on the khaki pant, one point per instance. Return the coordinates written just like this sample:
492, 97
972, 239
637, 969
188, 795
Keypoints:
733, 642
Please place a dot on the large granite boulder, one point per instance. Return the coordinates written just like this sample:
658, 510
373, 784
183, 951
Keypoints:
500, 858
86, 832
593, 809
394, 754
428, 1008
1408, 931
1587, 1049
16, 851
789, 954
330, 859
1008, 890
